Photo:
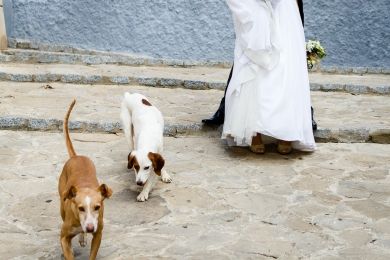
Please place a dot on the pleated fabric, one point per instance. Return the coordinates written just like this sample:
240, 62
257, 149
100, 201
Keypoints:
270, 93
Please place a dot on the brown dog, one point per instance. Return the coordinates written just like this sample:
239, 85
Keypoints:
81, 199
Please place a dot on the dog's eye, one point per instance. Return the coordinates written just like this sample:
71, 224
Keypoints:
81, 208
97, 207
146, 168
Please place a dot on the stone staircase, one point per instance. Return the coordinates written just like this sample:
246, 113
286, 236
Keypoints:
38, 82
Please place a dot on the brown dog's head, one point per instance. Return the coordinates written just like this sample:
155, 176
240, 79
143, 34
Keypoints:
87, 204
143, 162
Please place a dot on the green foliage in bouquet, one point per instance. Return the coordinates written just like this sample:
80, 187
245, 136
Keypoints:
314, 52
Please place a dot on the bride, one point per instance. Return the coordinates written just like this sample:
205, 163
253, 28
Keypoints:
268, 97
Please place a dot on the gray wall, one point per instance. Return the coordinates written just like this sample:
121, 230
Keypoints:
354, 32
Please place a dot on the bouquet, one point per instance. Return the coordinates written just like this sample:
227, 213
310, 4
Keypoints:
314, 53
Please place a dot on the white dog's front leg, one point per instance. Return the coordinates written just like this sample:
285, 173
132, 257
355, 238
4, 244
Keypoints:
144, 195
165, 176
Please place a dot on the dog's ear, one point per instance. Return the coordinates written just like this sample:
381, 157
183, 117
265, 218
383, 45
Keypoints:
105, 191
157, 161
70, 193
130, 161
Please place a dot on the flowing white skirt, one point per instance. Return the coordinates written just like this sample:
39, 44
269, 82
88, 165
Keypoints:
276, 103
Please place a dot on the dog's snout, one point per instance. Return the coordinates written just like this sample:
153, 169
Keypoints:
140, 183
90, 228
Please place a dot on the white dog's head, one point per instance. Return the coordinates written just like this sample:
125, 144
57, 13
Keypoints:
143, 162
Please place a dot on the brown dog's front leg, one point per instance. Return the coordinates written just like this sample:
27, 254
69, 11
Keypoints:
97, 238
66, 243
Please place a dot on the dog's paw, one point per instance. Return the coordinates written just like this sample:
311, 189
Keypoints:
83, 239
142, 197
166, 178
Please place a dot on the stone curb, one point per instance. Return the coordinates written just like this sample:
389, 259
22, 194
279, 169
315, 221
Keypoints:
71, 55
350, 88
40, 53
171, 82
322, 134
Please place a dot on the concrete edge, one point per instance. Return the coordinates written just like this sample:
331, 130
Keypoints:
322, 134
172, 82
67, 54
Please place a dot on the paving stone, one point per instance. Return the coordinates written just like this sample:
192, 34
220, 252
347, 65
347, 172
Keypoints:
11, 121
315, 86
148, 81
46, 77
48, 58
11, 43
359, 70
68, 58
356, 89
93, 127
228, 64
20, 77
71, 78
217, 85
343, 70
332, 87
83, 52
386, 70
91, 59
338, 223
21, 58
374, 70
3, 58
193, 63
213, 63
42, 124
120, 79
370, 208
356, 238
132, 61
110, 59
106, 126
380, 90
92, 79
173, 62
35, 45
154, 62
169, 129
68, 49
22, 44
380, 136
328, 69
354, 134
170, 82
192, 84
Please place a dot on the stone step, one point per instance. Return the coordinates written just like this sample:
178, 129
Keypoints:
87, 57
24, 51
190, 78
342, 117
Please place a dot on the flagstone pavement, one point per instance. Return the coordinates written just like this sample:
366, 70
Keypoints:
224, 202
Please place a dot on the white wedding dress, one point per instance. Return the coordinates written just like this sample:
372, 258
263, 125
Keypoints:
269, 92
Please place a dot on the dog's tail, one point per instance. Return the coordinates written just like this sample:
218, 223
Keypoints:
69, 144
126, 119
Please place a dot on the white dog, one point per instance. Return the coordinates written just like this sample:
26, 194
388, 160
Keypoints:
143, 125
